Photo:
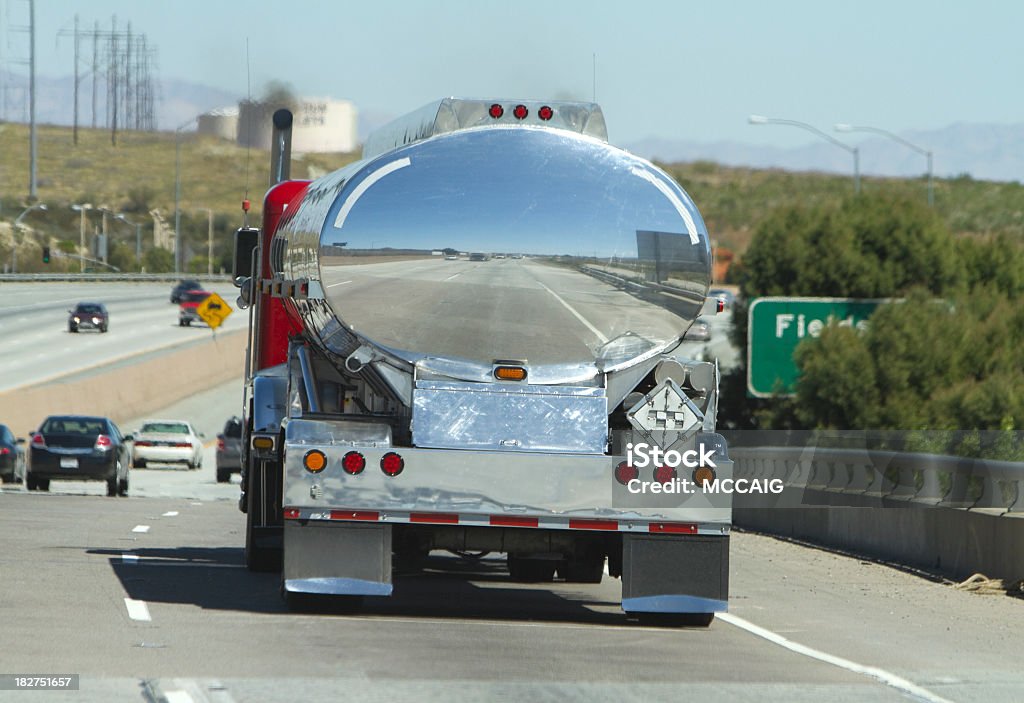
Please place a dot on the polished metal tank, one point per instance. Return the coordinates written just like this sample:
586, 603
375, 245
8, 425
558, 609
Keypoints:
524, 242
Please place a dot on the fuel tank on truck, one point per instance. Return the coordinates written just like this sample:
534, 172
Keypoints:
468, 235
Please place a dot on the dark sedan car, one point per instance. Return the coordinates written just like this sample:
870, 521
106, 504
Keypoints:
12, 456
229, 450
183, 287
88, 316
699, 331
79, 448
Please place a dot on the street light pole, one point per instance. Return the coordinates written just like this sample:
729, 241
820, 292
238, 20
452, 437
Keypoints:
17, 224
177, 195
896, 138
761, 119
81, 233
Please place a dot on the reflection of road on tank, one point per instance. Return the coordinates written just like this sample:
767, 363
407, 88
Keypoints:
525, 308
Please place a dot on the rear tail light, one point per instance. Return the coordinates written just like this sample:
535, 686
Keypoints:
4, 451
392, 464
545, 113
103, 442
665, 474
182, 445
624, 473
353, 463
143, 443
38, 440
220, 444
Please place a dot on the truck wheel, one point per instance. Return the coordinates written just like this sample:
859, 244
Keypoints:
676, 619
122, 486
318, 603
588, 568
258, 557
223, 476
112, 487
139, 463
43, 484
30, 483
531, 570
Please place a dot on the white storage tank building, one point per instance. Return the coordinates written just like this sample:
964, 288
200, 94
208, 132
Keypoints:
221, 123
320, 125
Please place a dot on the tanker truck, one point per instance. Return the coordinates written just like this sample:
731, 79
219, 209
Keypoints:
471, 340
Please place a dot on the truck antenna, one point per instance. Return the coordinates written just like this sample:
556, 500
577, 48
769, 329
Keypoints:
248, 142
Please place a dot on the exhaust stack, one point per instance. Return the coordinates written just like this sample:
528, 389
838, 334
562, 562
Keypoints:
281, 148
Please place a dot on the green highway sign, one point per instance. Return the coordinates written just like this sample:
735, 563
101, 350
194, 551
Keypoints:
777, 325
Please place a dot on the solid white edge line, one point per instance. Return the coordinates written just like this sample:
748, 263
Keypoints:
886, 677
137, 610
335, 285
129, 558
578, 316
454, 275
178, 697
171, 513
140, 528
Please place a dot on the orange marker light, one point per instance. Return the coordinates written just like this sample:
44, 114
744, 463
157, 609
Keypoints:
510, 373
315, 461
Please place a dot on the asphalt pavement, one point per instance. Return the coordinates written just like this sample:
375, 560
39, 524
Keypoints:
146, 598
36, 345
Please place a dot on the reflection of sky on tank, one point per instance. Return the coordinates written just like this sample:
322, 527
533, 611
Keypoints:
538, 192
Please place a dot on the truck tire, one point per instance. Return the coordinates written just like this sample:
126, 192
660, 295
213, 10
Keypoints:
676, 619
587, 568
258, 557
321, 604
528, 570
223, 476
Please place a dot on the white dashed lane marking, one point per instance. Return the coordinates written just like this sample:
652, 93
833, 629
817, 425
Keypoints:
140, 528
137, 610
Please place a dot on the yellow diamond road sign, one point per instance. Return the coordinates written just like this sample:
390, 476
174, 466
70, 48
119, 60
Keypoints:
214, 310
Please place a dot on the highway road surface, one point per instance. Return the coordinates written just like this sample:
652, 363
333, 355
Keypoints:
501, 309
146, 598
35, 343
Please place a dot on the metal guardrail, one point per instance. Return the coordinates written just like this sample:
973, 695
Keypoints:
111, 277
942, 481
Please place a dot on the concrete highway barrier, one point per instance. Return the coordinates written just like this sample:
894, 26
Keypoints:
953, 515
129, 388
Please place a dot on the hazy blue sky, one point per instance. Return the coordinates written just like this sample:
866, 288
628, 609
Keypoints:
682, 70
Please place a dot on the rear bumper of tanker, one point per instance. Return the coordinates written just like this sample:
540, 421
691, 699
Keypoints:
340, 528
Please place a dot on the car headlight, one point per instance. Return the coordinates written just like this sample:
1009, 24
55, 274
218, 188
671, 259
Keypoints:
77, 319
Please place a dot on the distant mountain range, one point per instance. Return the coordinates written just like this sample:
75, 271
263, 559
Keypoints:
984, 151
993, 152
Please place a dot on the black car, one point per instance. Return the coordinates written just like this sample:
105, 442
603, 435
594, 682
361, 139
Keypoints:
229, 450
12, 456
699, 331
88, 316
79, 448
183, 287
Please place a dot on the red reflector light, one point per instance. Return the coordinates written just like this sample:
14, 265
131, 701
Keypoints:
520, 112
38, 440
4, 451
676, 528
496, 111
220, 445
367, 515
593, 525
435, 518
545, 113
509, 521
624, 473
353, 463
392, 464
665, 474
721, 304
103, 442
292, 513
182, 444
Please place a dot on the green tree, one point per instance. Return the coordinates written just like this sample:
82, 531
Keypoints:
158, 260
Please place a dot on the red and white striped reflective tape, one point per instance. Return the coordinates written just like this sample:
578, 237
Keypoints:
553, 523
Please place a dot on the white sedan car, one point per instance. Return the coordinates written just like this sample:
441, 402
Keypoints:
167, 442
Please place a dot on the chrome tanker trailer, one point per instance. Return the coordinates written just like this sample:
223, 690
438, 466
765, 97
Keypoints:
469, 340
